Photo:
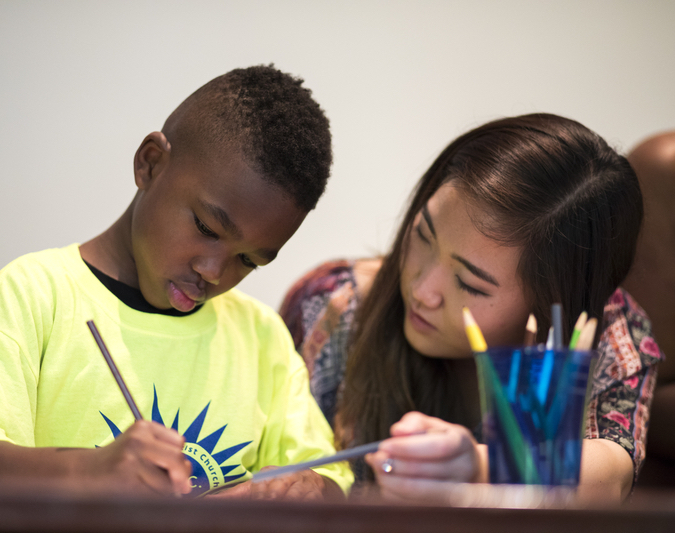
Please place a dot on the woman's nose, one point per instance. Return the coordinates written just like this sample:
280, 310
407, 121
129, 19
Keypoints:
426, 288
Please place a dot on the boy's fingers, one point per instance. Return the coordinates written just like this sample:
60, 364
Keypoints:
297, 486
168, 435
156, 479
159, 457
240, 491
187, 487
172, 461
274, 488
298, 491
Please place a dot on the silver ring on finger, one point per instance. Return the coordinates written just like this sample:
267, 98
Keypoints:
388, 466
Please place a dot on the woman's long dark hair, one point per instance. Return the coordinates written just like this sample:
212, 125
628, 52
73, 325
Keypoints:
549, 186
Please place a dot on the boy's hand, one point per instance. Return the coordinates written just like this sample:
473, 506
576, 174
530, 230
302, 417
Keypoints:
299, 486
424, 454
146, 457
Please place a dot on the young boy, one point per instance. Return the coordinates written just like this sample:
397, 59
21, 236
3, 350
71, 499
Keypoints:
228, 180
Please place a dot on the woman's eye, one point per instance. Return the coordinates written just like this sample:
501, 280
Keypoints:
247, 262
203, 228
418, 230
468, 288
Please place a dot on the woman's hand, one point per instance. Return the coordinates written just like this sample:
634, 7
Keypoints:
299, 486
423, 455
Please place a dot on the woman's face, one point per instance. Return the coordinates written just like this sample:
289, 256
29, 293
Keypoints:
449, 264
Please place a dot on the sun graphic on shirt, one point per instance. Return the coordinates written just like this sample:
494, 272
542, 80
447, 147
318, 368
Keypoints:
208, 469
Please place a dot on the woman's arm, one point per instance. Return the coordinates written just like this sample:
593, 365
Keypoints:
426, 453
606, 472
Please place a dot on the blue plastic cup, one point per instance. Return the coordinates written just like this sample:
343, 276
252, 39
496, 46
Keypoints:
533, 402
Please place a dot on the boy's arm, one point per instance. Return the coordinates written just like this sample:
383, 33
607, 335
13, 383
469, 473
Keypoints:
306, 485
295, 431
305, 433
302, 435
147, 458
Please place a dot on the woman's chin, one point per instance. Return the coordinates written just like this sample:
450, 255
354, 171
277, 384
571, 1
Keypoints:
429, 347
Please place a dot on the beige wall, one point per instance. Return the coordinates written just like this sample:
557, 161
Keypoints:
81, 83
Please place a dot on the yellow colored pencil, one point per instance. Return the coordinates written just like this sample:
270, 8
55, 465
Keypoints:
473, 332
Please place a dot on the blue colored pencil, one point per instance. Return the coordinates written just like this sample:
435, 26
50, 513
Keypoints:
349, 453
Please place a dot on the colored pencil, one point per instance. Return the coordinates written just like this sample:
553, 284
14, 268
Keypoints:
549, 339
587, 335
473, 332
516, 442
530, 331
343, 455
581, 322
556, 320
115, 372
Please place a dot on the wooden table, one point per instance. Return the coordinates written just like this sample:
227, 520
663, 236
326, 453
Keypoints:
27, 509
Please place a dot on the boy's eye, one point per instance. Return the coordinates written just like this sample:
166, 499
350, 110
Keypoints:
246, 261
203, 228
468, 288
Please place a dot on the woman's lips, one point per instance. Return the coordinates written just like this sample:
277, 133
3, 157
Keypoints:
417, 322
180, 300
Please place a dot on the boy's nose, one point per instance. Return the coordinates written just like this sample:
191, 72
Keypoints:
210, 268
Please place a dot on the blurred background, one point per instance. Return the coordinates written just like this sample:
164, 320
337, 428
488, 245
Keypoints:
83, 82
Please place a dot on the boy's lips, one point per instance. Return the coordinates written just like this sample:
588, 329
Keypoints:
184, 298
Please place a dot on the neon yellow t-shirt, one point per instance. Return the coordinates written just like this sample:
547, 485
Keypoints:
227, 377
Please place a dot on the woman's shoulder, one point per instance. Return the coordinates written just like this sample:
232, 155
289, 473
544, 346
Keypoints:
623, 317
332, 284
627, 344
325, 278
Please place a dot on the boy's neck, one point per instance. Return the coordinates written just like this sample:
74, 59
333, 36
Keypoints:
111, 253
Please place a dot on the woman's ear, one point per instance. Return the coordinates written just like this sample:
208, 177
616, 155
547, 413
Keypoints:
151, 157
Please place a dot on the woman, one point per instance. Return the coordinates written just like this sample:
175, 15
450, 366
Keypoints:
513, 216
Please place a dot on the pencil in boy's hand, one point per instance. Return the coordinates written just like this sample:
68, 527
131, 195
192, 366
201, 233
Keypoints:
530, 331
587, 335
473, 332
576, 333
113, 368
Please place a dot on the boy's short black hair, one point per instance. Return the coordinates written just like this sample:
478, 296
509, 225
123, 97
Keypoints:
269, 118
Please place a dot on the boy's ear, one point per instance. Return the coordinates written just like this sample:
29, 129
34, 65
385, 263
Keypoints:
151, 157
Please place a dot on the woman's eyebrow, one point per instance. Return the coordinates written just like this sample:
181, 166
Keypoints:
478, 272
427, 217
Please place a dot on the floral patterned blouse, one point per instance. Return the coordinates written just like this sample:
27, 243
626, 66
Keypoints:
319, 312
